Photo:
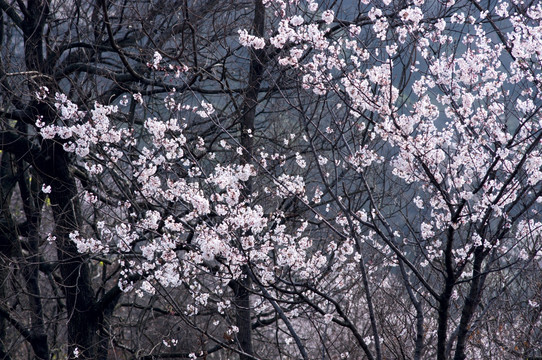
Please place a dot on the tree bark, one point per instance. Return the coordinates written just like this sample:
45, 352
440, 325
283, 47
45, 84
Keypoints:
85, 336
7, 237
250, 101
444, 298
471, 302
83, 321
30, 268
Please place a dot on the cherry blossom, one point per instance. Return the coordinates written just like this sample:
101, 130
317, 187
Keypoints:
421, 181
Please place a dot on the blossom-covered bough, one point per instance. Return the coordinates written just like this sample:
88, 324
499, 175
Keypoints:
371, 189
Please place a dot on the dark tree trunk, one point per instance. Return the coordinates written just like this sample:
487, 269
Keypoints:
7, 238
445, 296
30, 268
243, 321
250, 101
12, 252
442, 330
83, 321
471, 302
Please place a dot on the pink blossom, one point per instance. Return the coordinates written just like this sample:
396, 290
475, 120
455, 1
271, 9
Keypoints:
328, 16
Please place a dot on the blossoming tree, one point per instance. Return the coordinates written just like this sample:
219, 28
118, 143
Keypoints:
338, 181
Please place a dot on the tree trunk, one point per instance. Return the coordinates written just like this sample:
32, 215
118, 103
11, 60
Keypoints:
30, 268
250, 101
83, 321
7, 237
471, 302
243, 322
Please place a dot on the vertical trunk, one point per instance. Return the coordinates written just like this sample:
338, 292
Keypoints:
369, 299
83, 321
470, 305
442, 330
7, 237
419, 313
3, 277
33, 26
30, 268
11, 250
444, 298
243, 322
250, 101
39, 340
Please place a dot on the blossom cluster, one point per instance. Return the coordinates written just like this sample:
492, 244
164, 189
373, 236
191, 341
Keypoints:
197, 218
